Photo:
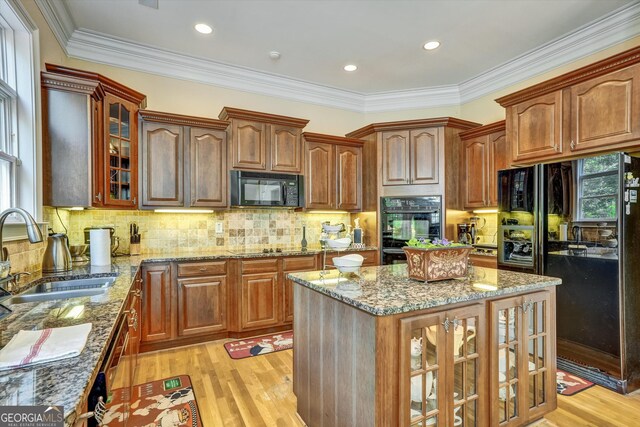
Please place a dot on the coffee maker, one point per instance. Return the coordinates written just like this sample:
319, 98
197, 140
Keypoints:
464, 234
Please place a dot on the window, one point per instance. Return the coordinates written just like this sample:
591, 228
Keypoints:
19, 83
598, 188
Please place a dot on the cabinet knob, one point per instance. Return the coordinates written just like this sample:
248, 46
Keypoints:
526, 306
99, 197
203, 269
557, 148
572, 145
135, 199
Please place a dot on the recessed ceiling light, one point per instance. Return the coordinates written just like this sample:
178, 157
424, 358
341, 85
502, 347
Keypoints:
431, 45
350, 67
203, 28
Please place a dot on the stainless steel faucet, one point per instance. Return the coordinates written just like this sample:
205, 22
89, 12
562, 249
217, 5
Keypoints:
33, 231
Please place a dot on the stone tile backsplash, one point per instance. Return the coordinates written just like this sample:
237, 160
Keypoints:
197, 232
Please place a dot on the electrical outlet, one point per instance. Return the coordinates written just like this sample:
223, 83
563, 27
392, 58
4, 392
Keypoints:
219, 229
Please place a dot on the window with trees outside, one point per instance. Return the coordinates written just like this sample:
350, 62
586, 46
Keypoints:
19, 84
598, 187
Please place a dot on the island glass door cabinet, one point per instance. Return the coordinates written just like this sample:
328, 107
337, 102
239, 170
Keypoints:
121, 153
440, 368
522, 367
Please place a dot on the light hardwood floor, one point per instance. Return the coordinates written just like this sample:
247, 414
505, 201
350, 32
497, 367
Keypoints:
257, 391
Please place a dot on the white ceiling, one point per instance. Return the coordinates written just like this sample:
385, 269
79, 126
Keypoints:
483, 41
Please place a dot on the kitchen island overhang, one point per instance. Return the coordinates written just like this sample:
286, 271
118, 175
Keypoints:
378, 348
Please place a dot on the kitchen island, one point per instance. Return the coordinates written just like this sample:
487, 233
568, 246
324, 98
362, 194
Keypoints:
379, 349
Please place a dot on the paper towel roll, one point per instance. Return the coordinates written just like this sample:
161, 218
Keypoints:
100, 247
563, 232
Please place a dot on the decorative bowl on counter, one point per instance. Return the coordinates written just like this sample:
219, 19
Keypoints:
338, 244
439, 262
348, 263
610, 243
336, 228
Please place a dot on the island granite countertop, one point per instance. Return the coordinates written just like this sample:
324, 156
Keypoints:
388, 290
67, 382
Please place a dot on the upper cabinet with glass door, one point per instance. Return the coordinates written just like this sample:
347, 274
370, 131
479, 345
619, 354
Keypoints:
88, 113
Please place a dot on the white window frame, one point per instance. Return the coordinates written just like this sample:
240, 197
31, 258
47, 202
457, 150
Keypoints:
580, 180
20, 83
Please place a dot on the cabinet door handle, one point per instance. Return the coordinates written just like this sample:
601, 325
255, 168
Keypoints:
135, 199
557, 148
447, 324
572, 145
203, 269
99, 197
526, 306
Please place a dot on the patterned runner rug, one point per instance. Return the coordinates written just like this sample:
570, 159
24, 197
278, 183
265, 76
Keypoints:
167, 402
568, 384
256, 346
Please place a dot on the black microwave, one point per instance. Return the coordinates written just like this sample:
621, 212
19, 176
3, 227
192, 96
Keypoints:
262, 189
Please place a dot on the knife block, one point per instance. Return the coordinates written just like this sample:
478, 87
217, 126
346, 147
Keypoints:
134, 248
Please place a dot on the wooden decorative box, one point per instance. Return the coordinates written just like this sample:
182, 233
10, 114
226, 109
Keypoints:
431, 264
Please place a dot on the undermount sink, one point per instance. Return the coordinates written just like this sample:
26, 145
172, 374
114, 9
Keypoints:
63, 289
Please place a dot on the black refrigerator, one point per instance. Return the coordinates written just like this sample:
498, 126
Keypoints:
579, 220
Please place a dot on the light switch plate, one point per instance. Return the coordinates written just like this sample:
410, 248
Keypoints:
219, 228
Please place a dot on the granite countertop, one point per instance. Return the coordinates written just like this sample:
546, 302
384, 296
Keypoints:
66, 382
387, 290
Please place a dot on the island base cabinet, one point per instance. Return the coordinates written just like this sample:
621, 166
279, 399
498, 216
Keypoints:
523, 362
442, 358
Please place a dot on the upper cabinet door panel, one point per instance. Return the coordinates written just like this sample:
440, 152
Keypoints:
423, 154
498, 160
349, 169
475, 173
286, 155
605, 110
320, 179
249, 145
395, 158
208, 164
535, 127
162, 163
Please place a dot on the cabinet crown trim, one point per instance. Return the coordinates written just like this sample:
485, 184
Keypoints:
483, 130
179, 119
257, 116
597, 69
109, 85
331, 139
71, 84
451, 122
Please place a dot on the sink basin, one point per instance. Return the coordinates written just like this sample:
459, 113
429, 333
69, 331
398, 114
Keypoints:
64, 289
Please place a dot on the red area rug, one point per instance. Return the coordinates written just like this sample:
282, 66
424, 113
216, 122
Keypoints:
568, 384
167, 402
256, 346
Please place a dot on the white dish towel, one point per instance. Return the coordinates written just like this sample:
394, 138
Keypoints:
32, 347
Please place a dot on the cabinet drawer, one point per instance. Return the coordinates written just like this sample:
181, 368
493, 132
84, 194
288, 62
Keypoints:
299, 263
370, 257
260, 266
484, 261
202, 268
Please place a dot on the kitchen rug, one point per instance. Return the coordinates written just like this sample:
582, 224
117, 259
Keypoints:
256, 346
568, 385
167, 402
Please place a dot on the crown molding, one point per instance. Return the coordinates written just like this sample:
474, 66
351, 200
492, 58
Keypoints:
180, 119
331, 139
619, 26
229, 113
483, 130
450, 122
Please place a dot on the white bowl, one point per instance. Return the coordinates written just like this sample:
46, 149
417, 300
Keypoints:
348, 268
338, 243
349, 260
605, 233
332, 228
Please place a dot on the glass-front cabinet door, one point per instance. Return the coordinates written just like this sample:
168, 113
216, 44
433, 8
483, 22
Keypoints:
441, 356
522, 368
120, 153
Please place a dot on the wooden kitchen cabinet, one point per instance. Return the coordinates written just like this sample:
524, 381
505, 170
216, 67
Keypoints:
183, 161
266, 142
157, 312
333, 172
410, 156
96, 119
292, 265
485, 152
202, 305
442, 357
522, 360
259, 298
591, 110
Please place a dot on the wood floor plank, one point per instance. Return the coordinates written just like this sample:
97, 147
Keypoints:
258, 391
